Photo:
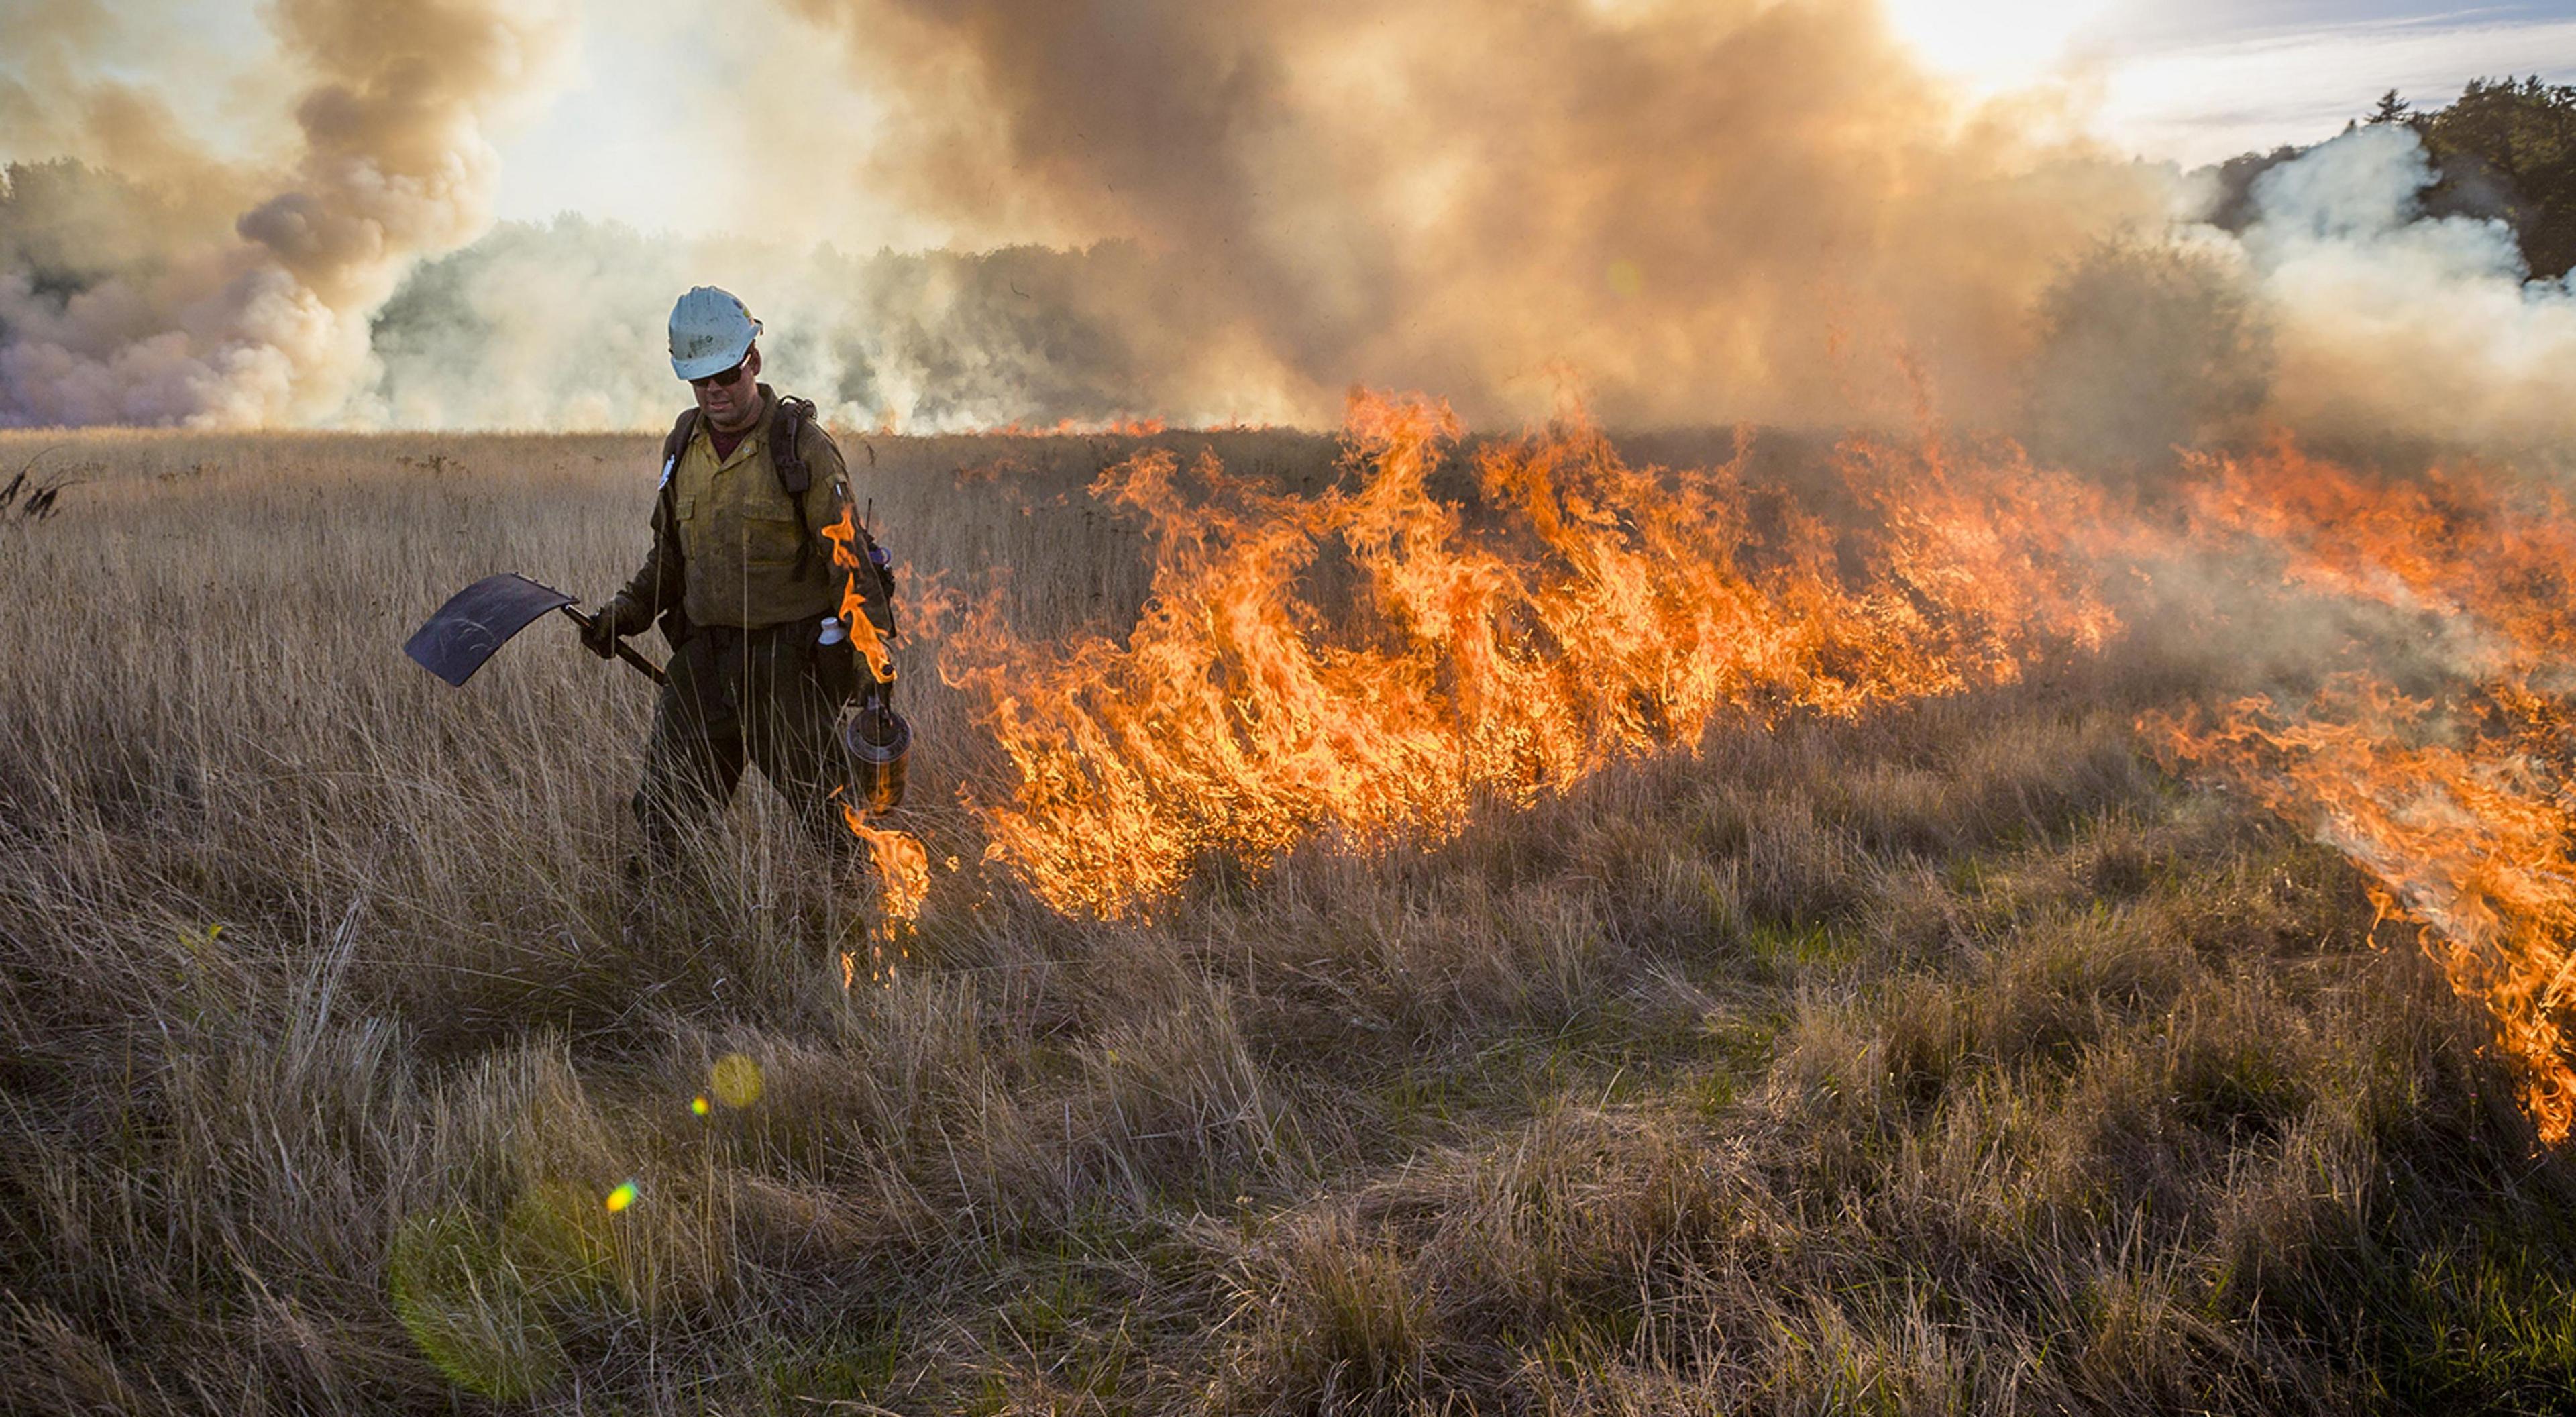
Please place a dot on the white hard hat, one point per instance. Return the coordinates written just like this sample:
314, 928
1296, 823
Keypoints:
710, 332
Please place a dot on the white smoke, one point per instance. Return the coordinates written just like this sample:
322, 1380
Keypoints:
561, 327
2390, 323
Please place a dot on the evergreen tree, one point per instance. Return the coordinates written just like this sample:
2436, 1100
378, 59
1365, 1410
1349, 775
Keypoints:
2508, 149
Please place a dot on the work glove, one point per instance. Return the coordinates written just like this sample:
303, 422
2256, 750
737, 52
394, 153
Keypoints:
620, 617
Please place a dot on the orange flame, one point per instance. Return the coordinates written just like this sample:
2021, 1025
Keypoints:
1371, 662
844, 535
2460, 804
902, 863
903, 883
1606, 612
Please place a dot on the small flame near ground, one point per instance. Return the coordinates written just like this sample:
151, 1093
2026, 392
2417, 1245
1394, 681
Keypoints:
902, 870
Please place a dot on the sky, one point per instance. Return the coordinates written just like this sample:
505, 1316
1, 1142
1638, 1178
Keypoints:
657, 91
2198, 81
2189, 81
2201, 81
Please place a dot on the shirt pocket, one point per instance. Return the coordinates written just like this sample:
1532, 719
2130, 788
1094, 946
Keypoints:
769, 539
686, 529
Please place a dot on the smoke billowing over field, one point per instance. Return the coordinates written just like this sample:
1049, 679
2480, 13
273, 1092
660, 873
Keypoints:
184, 284
1702, 213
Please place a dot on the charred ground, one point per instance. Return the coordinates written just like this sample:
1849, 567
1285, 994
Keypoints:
1955, 1057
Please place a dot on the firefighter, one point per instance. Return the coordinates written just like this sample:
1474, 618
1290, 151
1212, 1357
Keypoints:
745, 587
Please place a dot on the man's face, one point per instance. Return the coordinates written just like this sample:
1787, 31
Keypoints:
731, 400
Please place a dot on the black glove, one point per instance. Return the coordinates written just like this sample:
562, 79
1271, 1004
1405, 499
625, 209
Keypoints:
620, 617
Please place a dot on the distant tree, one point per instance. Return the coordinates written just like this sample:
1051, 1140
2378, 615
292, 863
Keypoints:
2234, 209
2391, 109
2508, 149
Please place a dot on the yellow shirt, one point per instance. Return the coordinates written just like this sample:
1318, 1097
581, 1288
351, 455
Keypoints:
739, 533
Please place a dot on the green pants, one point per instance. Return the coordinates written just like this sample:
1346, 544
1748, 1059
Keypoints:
771, 697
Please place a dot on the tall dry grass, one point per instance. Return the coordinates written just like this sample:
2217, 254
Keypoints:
1954, 1060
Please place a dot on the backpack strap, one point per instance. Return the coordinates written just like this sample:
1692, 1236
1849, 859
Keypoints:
675, 616
682, 430
786, 432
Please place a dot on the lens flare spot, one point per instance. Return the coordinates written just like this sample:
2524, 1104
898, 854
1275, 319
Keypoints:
700, 1105
736, 1080
622, 1197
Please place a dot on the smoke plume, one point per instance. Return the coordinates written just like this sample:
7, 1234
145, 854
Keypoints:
163, 281
1699, 211
1706, 211
1710, 209
2394, 323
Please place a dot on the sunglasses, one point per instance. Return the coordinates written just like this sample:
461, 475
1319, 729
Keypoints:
725, 380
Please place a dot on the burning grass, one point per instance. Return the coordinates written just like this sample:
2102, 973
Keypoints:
1603, 613
1867, 1029
2451, 789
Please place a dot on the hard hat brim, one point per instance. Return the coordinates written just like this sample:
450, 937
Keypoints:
724, 358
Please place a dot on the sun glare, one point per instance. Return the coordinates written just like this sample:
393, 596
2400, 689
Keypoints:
1994, 45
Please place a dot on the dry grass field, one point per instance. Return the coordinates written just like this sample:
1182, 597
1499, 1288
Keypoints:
1951, 1056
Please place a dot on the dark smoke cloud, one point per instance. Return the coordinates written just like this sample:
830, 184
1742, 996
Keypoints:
1712, 209
234, 289
1698, 210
